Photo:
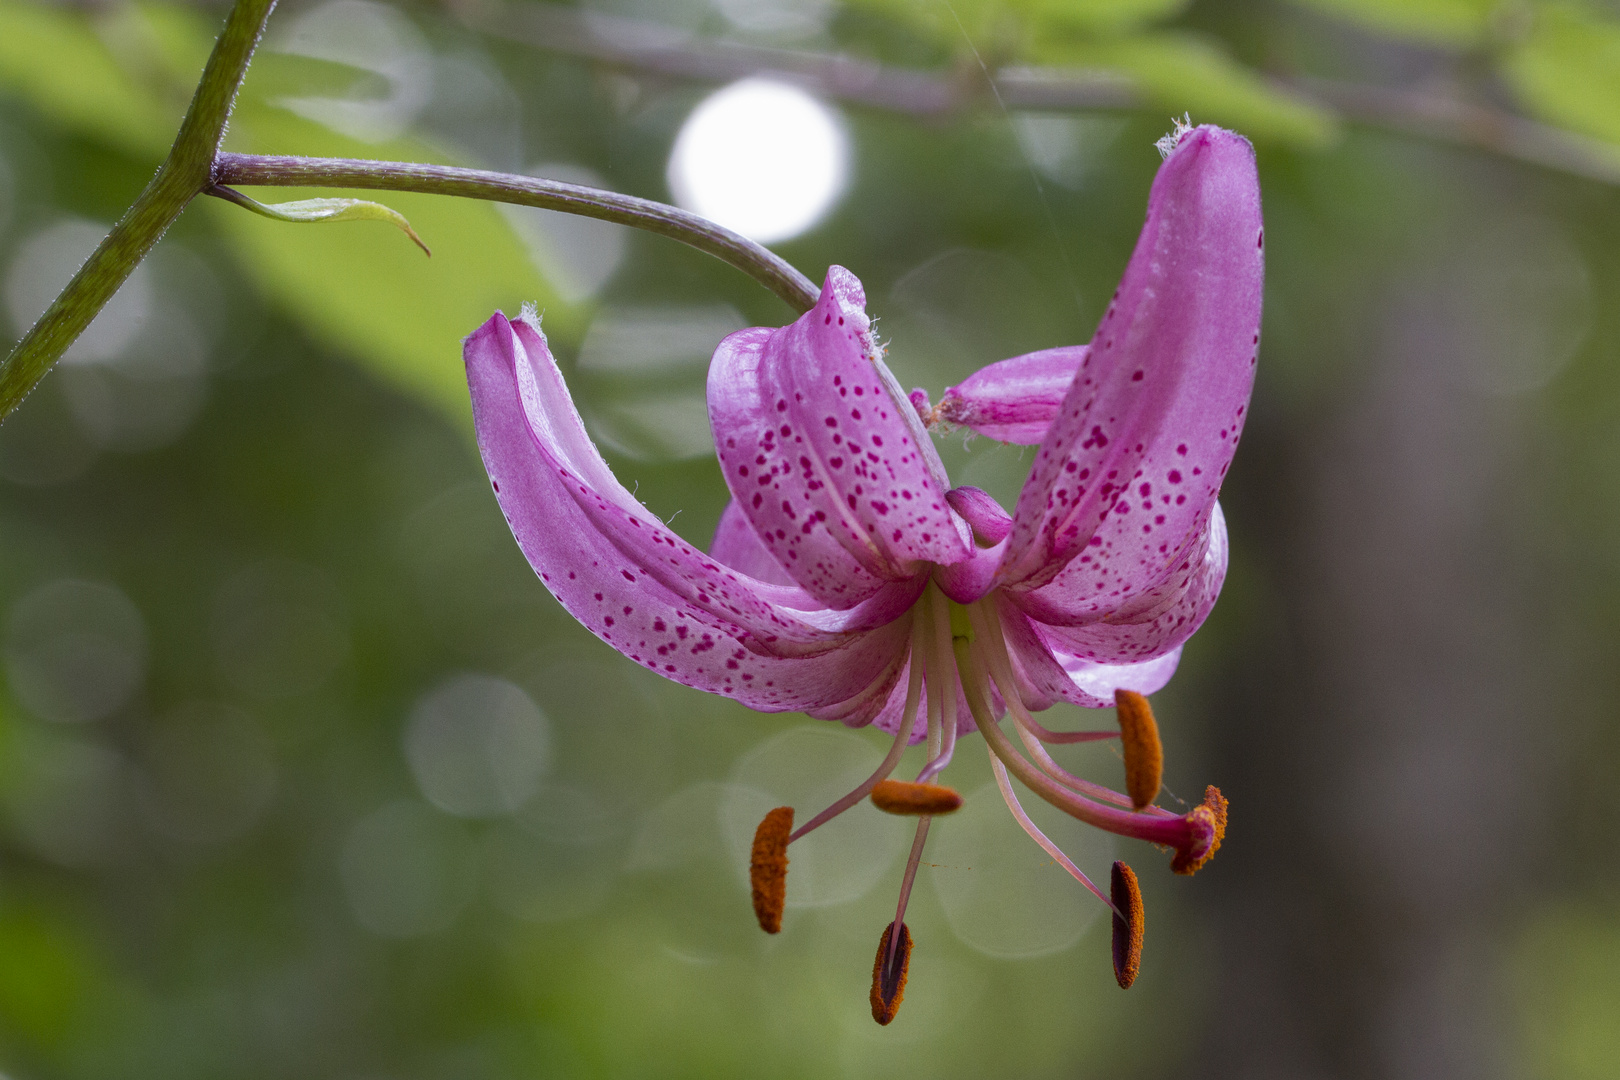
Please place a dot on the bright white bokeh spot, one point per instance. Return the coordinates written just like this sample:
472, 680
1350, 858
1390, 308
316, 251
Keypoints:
760, 157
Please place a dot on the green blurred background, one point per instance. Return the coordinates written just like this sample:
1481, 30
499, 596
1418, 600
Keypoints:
303, 774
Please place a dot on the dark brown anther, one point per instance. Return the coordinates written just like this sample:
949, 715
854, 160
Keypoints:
1144, 754
905, 797
889, 980
767, 867
1210, 817
1127, 897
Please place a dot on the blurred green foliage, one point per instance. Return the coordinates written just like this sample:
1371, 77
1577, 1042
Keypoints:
1567, 68
126, 76
248, 561
1569, 967
1455, 23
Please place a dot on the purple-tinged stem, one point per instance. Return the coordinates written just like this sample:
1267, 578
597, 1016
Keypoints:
763, 265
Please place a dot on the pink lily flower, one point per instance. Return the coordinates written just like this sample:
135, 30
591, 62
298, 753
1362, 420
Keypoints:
849, 580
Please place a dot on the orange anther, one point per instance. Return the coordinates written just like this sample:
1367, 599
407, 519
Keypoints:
889, 980
767, 867
1144, 754
1127, 897
905, 797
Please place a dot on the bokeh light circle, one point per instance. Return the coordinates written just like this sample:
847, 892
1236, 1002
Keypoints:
807, 768
761, 157
1002, 894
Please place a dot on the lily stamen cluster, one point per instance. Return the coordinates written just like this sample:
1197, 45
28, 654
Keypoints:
959, 652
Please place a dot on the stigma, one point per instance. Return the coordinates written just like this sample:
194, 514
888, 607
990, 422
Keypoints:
958, 654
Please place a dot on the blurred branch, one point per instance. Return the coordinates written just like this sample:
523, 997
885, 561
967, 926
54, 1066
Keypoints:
760, 263
650, 47
184, 173
1444, 117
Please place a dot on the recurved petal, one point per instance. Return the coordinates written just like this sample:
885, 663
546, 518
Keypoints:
825, 456
873, 700
1080, 611
1049, 673
738, 546
1014, 401
1150, 423
619, 571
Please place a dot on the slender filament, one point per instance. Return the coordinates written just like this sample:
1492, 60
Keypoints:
908, 719
1001, 672
999, 650
945, 662
1037, 835
905, 885
1174, 831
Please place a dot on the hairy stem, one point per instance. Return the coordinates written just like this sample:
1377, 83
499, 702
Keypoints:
184, 173
763, 265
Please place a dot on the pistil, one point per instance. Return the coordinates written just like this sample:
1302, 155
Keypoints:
961, 650
945, 695
1193, 835
1000, 665
1011, 799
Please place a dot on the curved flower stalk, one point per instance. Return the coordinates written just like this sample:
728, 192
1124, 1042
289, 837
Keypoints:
848, 579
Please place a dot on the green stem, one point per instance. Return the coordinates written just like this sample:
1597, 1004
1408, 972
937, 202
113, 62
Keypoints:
184, 173
763, 265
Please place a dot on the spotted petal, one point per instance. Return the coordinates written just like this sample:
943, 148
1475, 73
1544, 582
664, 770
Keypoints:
738, 546
1080, 613
1048, 672
634, 583
823, 456
1150, 424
